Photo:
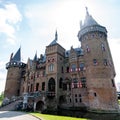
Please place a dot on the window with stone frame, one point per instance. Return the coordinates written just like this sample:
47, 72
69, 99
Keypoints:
95, 62
83, 82
82, 65
37, 86
43, 86
102, 47
60, 83
80, 98
87, 49
75, 83
67, 69
73, 67
105, 62
51, 68
62, 69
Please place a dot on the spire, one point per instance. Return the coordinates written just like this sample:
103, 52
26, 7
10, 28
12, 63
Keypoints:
56, 36
87, 13
90, 25
55, 40
17, 56
35, 57
89, 21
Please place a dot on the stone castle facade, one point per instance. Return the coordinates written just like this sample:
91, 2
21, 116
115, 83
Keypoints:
75, 78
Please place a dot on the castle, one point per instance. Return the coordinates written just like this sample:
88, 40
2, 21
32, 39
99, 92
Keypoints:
75, 78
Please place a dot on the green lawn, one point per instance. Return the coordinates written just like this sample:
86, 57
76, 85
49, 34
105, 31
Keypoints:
55, 117
0, 102
119, 101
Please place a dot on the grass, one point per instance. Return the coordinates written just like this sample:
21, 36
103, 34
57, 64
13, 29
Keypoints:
54, 117
0, 102
119, 101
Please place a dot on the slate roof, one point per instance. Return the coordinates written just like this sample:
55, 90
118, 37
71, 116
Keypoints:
90, 25
79, 52
17, 56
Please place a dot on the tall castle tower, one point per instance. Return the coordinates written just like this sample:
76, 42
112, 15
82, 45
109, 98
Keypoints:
14, 75
54, 67
99, 65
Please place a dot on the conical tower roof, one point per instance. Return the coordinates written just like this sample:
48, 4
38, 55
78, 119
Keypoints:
89, 20
90, 25
17, 56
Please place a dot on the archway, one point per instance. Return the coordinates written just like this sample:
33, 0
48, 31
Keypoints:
40, 106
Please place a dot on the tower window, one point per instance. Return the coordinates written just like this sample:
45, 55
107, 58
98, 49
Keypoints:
51, 67
87, 49
105, 62
102, 47
95, 94
113, 84
95, 61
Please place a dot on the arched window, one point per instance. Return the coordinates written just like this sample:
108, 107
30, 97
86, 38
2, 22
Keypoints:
60, 82
73, 68
51, 67
51, 85
82, 65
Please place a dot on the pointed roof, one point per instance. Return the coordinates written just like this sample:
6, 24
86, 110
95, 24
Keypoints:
89, 21
90, 25
17, 56
55, 40
35, 57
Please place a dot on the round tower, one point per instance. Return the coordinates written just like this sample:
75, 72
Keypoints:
14, 75
99, 65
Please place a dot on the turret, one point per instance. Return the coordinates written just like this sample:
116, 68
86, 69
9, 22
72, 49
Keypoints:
14, 75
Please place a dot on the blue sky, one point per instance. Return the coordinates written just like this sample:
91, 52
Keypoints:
31, 24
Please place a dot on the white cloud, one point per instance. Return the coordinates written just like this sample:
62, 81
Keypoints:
9, 17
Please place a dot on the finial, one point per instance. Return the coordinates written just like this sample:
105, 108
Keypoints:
87, 13
56, 36
81, 24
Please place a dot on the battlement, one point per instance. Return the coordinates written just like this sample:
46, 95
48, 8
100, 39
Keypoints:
15, 64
